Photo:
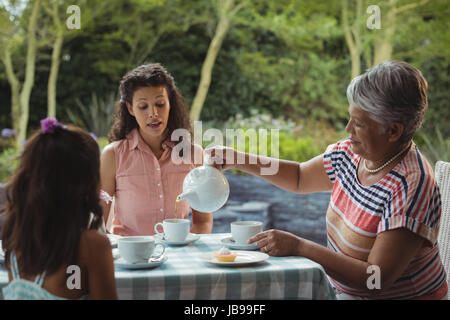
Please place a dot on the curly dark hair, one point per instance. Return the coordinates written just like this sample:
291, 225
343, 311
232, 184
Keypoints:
148, 74
50, 199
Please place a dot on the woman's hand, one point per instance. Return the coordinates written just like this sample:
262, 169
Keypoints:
277, 243
222, 157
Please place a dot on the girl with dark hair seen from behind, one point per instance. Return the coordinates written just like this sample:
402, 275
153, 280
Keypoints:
52, 216
137, 167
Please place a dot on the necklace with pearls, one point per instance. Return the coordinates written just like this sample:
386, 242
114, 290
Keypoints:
387, 163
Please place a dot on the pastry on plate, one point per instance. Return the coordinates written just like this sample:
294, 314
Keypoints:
225, 255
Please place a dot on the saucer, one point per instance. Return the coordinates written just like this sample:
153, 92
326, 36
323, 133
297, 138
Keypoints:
192, 237
2, 254
231, 244
113, 239
121, 263
115, 253
244, 258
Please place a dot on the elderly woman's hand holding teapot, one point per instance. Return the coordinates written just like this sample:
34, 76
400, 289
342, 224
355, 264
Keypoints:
222, 157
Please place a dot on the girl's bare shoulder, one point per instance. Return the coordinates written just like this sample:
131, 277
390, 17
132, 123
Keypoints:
108, 150
107, 157
93, 245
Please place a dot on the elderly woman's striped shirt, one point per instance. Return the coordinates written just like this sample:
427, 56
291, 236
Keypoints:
407, 197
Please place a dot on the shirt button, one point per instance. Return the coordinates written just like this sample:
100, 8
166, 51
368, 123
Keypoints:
157, 169
161, 209
159, 184
160, 195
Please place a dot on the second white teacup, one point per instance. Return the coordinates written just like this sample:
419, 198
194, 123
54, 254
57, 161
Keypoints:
138, 249
174, 229
244, 230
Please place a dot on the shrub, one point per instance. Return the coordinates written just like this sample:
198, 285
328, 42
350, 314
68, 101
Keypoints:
434, 147
248, 137
102, 142
258, 120
297, 149
9, 159
97, 116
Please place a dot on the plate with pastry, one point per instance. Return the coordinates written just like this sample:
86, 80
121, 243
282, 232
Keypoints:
226, 258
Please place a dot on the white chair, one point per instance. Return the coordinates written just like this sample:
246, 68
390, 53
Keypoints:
442, 174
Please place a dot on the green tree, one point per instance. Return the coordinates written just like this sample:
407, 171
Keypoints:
56, 32
20, 91
126, 32
226, 10
377, 45
293, 53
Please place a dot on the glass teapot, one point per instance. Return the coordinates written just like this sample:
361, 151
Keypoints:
205, 188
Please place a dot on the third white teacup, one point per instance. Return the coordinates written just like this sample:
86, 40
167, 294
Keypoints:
174, 229
138, 249
244, 230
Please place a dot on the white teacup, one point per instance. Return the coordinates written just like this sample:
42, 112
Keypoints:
174, 229
138, 249
244, 230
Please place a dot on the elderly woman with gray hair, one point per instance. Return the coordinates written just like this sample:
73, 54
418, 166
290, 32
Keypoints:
384, 212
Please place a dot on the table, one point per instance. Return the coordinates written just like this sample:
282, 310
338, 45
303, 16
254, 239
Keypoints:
184, 277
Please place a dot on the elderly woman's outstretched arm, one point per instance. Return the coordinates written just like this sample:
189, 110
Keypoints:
305, 177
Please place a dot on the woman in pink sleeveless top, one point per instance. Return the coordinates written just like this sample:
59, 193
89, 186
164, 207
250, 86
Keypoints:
137, 167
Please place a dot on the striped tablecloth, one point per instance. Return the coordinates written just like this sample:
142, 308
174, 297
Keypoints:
185, 277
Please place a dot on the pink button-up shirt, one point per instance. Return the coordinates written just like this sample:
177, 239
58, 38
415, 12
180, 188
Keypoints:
146, 187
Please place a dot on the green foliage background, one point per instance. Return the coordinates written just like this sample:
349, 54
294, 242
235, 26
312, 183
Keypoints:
285, 58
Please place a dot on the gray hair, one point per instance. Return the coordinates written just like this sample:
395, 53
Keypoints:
392, 91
